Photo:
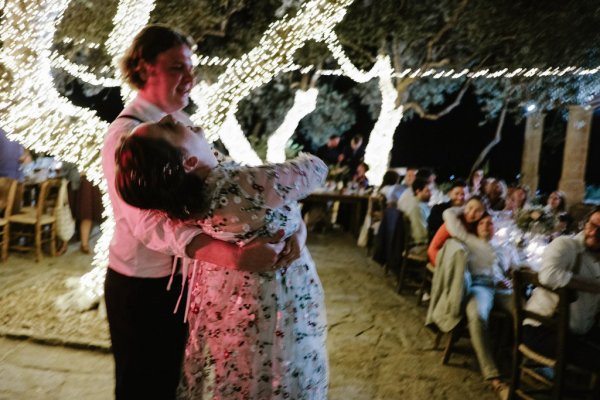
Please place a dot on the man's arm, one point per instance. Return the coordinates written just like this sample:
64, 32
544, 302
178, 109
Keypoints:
558, 262
260, 255
584, 284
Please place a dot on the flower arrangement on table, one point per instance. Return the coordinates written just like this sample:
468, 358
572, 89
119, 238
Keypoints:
535, 220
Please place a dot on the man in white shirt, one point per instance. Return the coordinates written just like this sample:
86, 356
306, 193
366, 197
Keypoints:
572, 262
147, 337
406, 198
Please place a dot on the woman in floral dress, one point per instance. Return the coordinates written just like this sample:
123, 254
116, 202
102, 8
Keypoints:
252, 335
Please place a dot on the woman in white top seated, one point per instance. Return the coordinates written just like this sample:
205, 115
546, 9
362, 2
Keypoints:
487, 286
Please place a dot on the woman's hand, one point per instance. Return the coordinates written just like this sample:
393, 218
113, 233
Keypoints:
505, 283
293, 247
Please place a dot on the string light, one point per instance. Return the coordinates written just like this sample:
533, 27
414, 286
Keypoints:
31, 109
315, 20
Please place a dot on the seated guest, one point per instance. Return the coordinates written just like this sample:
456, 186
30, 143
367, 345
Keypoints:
457, 199
515, 200
390, 188
12, 156
475, 183
494, 194
407, 180
406, 198
417, 212
437, 196
330, 151
359, 177
556, 203
487, 265
467, 216
572, 262
489, 287
353, 154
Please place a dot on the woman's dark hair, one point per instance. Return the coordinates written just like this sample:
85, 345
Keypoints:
476, 197
419, 184
390, 178
485, 214
150, 175
146, 46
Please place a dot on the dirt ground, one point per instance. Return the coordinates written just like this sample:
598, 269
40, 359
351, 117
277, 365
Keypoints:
378, 345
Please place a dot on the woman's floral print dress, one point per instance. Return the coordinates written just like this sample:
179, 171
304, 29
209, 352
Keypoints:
257, 335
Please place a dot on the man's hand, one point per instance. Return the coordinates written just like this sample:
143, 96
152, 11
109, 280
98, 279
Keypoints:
261, 254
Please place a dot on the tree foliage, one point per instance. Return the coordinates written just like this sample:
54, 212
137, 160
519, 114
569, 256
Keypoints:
333, 115
448, 34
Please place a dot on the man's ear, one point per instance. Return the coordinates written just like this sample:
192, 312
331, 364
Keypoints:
190, 163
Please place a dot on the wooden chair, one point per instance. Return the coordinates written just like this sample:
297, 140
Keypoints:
527, 362
31, 229
8, 189
501, 321
426, 283
396, 244
410, 261
385, 250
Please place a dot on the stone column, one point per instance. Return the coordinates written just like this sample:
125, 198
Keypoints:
534, 129
572, 180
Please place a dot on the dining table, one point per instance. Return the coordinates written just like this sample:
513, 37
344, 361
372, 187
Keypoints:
356, 203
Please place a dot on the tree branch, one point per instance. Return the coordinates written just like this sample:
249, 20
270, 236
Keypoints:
449, 25
494, 142
222, 31
354, 47
432, 117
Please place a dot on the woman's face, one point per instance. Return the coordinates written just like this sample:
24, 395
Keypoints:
169, 80
473, 210
190, 140
360, 170
477, 177
519, 196
554, 201
485, 228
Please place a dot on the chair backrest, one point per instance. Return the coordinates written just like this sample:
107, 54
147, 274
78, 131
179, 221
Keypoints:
397, 246
408, 237
48, 197
385, 235
8, 190
523, 280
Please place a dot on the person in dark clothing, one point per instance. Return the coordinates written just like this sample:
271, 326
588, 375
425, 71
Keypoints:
12, 155
354, 153
330, 151
457, 199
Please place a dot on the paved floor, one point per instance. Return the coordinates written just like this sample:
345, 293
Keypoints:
378, 346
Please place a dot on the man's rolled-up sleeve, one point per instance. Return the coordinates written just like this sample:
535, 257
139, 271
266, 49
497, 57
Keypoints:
164, 235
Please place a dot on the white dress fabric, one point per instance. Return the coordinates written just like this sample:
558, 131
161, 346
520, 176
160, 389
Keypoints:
257, 335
